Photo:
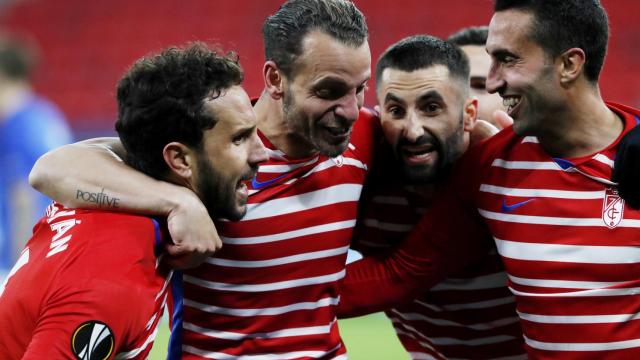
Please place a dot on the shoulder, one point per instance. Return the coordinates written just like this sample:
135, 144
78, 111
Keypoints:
367, 135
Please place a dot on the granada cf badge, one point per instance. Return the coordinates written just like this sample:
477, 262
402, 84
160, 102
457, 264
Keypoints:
612, 208
92, 340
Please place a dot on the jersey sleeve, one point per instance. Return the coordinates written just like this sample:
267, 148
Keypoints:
90, 321
449, 237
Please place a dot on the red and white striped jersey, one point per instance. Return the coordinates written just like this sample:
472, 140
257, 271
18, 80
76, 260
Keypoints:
469, 316
568, 242
271, 292
570, 247
88, 285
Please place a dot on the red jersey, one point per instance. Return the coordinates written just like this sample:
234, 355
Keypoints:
471, 315
87, 286
567, 240
271, 292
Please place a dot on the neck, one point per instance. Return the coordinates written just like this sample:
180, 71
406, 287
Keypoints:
12, 96
272, 124
584, 126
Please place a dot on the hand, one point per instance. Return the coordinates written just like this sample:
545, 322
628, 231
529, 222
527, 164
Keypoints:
626, 170
193, 233
482, 130
502, 119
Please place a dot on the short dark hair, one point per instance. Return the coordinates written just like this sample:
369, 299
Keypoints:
473, 35
559, 25
17, 57
284, 31
423, 51
161, 99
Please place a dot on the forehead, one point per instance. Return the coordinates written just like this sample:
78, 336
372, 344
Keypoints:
509, 30
232, 110
326, 57
410, 85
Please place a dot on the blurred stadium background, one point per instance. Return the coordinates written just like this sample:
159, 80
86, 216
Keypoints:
86, 45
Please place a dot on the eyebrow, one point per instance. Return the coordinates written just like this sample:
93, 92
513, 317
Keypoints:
430, 95
391, 97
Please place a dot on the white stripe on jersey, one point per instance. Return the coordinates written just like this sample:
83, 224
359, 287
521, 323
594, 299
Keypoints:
278, 356
475, 305
547, 193
340, 225
311, 200
421, 356
569, 253
279, 261
548, 220
579, 319
147, 342
584, 293
473, 342
530, 139
603, 159
606, 346
442, 322
390, 200
526, 165
265, 287
564, 284
374, 223
228, 335
285, 168
324, 302
491, 281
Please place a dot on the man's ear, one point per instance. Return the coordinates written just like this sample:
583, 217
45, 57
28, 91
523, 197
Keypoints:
273, 80
180, 159
470, 114
571, 65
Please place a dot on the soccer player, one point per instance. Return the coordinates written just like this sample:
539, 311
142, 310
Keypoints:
30, 125
271, 292
427, 114
472, 41
89, 284
541, 189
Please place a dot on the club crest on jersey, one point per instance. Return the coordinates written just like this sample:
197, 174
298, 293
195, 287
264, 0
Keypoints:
612, 208
92, 340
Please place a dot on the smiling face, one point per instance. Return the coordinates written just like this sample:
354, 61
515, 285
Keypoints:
230, 154
422, 114
522, 73
322, 100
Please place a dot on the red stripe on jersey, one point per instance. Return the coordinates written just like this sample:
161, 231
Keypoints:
571, 253
272, 290
471, 315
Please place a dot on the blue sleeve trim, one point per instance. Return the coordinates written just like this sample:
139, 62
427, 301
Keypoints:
637, 120
175, 341
564, 164
158, 242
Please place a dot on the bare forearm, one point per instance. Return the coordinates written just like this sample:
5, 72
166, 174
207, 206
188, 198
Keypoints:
91, 175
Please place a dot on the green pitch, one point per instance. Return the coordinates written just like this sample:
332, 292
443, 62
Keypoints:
367, 338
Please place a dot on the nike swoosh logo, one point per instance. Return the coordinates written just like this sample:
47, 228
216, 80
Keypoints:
510, 208
259, 185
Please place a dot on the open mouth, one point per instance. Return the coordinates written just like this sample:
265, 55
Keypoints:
338, 131
511, 103
419, 153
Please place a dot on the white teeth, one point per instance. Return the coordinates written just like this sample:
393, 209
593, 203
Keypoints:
510, 102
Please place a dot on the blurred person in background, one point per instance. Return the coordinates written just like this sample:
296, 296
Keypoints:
30, 125
472, 41
427, 115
